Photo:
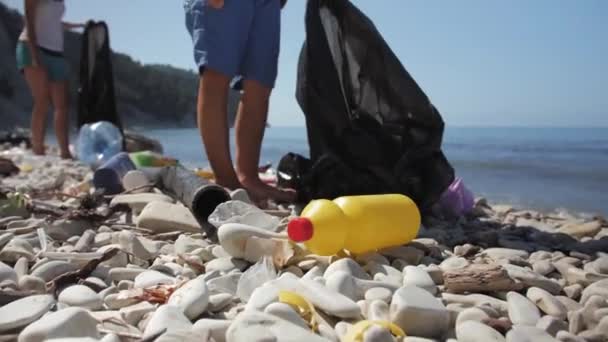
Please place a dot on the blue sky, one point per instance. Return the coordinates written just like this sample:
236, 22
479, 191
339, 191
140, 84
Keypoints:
482, 63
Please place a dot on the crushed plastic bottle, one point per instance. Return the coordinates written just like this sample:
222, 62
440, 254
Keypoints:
257, 275
98, 143
241, 212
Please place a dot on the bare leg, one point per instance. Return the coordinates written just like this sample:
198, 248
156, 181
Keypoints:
213, 126
250, 126
39, 86
59, 95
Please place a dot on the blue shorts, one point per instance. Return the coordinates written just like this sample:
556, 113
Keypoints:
240, 40
54, 63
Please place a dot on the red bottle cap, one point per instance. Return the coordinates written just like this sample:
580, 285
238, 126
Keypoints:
300, 229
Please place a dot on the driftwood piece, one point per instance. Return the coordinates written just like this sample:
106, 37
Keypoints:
479, 278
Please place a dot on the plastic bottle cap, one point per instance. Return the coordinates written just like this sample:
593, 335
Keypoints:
300, 229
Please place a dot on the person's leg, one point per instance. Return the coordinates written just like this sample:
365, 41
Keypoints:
212, 118
59, 96
250, 127
260, 70
37, 80
219, 37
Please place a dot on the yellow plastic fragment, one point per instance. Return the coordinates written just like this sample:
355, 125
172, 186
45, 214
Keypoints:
209, 175
356, 332
26, 168
304, 308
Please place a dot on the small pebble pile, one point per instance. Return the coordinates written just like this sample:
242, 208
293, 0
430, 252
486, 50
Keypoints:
500, 274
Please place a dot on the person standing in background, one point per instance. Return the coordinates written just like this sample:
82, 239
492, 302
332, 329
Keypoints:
238, 41
40, 58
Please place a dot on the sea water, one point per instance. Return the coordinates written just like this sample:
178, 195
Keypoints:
540, 168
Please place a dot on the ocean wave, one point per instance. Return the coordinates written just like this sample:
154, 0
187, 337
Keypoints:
579, 172
556, 149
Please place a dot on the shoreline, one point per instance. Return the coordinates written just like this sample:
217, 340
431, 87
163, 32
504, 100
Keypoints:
139, 267
20, 155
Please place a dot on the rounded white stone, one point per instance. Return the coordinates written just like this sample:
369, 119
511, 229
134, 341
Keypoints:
24, 311
70, 322
472, 331
152, 278
168, 318
415, 276
53, 269
81, 296
379, 293
521, 310
192, 298
7, 273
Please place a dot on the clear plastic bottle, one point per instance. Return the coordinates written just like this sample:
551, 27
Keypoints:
98, 143
244, 213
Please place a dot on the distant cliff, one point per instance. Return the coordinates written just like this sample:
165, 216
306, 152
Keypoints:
146, 95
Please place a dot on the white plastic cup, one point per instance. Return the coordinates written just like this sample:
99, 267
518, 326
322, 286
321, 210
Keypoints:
136, 179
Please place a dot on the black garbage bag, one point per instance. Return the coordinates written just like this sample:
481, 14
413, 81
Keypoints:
96, 97
371, 129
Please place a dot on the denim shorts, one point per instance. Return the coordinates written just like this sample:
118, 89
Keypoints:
54, 63
240, 40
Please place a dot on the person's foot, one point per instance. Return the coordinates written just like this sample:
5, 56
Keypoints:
38, 150
66, 155
227, 184
260, 191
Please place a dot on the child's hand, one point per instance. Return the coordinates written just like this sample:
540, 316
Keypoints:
217, 4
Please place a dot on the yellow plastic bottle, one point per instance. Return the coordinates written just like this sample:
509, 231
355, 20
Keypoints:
358, 224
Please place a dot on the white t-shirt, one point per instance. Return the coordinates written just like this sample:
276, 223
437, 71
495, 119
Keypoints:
49, 25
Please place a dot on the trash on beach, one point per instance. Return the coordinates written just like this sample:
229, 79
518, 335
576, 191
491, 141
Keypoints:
252, 243
151, 159
198, 194
96, 95
303, 307
207, 174
240, 212
371, 128
358, 224
350, 296
98, 143
357, 331
257, 275
136, 181
457, 200
109, 176
13, 204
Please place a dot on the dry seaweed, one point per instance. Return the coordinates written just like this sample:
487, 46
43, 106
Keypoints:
75, 276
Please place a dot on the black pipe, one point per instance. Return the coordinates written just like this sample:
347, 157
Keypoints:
195, 192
